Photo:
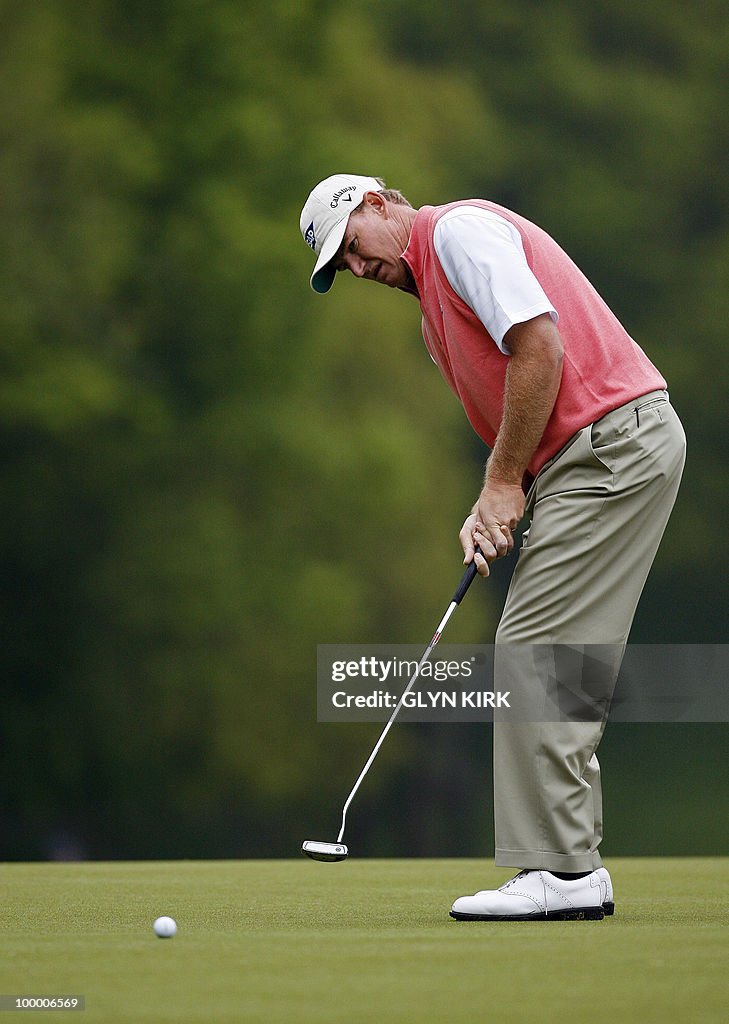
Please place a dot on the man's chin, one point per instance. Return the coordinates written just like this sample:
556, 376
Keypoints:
393, 277
390, 279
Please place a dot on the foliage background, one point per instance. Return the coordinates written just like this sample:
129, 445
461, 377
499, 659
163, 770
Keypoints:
208, 470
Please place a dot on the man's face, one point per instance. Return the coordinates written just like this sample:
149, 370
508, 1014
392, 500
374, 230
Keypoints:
373, 244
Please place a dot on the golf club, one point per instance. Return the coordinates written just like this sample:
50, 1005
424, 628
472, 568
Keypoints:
338, 851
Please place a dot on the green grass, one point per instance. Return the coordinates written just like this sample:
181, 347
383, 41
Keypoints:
361, 941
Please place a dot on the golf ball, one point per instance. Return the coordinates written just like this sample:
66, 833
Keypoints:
165, 927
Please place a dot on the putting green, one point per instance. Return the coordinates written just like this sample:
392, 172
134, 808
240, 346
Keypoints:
361, 941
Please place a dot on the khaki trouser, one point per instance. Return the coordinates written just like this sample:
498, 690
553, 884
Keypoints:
598, 512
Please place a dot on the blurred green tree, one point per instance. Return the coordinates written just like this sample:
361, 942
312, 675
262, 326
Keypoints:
208, 470
205, 474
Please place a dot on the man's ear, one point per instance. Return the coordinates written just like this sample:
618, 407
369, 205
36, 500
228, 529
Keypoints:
375, 202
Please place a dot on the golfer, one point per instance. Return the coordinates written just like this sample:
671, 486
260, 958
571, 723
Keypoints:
584, 442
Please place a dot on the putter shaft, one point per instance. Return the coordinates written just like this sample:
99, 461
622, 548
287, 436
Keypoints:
466, 581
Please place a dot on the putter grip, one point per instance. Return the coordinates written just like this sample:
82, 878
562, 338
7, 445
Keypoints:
466, 581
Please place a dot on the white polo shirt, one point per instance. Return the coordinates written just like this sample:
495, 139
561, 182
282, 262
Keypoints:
483, 258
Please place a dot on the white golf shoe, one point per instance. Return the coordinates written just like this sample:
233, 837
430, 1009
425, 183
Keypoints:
608, 900
540, 896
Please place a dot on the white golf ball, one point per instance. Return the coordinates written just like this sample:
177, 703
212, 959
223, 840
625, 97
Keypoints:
165, 927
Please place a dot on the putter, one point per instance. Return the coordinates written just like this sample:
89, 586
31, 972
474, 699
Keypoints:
338, 851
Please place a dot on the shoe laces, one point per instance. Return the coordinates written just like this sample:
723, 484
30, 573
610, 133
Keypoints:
516, 878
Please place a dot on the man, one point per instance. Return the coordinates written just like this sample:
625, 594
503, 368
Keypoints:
584, 441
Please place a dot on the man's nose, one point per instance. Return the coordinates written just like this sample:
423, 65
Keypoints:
356, 264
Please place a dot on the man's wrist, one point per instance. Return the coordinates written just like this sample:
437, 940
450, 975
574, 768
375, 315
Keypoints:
500, 478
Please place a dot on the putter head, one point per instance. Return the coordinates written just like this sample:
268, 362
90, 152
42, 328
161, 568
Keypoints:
324, 851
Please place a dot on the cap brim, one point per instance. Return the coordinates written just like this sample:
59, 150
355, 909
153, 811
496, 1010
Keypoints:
324, 273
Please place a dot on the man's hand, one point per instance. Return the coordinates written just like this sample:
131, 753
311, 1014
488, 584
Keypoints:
497, 512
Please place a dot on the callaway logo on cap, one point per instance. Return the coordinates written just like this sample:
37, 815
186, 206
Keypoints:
324, 220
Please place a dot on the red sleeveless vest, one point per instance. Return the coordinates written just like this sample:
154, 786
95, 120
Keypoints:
602, 368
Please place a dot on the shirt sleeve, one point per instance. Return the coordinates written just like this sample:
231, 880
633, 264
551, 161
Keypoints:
483, 258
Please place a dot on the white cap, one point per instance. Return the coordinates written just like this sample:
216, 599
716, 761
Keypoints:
324, 220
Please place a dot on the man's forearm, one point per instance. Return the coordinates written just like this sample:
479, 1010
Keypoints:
532, 382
